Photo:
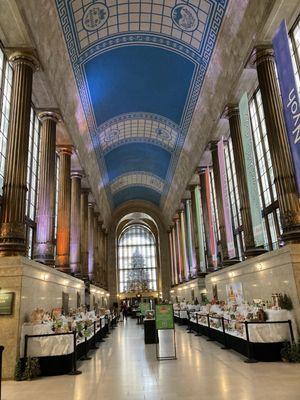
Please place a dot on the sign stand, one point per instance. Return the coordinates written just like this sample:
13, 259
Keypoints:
164, 320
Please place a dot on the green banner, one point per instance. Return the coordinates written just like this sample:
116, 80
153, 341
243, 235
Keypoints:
164, 318
255, 207
144, 307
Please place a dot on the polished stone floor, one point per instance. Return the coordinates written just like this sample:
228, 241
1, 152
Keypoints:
124, 368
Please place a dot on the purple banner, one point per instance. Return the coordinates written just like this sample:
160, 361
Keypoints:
289, 93
226, 202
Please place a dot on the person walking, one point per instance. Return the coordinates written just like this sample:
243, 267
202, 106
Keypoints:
125, 312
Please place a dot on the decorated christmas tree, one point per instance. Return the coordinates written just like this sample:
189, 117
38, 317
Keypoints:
137, 275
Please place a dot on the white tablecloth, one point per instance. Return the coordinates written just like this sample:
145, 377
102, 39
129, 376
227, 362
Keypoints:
45, 346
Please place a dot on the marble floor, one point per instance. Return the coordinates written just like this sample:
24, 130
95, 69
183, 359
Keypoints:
124, 368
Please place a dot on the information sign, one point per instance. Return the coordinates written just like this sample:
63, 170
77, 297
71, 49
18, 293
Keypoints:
6, 303
164, 318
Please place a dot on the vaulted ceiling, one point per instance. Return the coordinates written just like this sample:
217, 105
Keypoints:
139, 66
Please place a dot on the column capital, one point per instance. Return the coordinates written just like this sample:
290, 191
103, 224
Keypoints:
23, 55
76, 174
213, 145
65, 149
259, 54
49, 113
230, 110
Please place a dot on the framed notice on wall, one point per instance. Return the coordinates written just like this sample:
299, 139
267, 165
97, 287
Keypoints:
164, 318
65, 303
6, 303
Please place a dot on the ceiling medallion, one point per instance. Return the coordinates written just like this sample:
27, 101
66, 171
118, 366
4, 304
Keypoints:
185, 17
163, 133
95, 16
112, 135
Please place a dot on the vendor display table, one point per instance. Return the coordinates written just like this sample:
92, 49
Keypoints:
150, 335
261, 341
58, 353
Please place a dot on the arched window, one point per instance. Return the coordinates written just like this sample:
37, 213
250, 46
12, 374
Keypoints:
137, 259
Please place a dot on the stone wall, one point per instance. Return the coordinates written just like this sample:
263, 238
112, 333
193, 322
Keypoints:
275, 272
35, 285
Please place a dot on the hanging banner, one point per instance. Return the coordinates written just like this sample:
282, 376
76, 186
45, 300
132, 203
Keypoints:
289, 93
225, 200
255, 207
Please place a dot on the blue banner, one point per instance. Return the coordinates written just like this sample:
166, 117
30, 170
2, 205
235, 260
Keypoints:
289, 93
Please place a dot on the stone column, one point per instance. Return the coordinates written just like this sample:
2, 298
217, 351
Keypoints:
91, 240
288, 197
197, 225
232, 113
100, 249
185, 266
220, 209
105, 239
171, 256
178, 248
12, 230
84, 232
45, 216
96, 248
206, 219
75, 223
64, 210
175, 260
190, 239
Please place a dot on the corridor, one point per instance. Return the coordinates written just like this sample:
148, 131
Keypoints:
124, 368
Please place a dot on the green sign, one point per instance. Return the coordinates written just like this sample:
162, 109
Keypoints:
6, 303
164, 318
144, 307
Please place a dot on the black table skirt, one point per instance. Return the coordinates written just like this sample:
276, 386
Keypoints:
60, 365
259, 351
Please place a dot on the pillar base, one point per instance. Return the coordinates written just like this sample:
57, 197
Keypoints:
230, 261
255, 251
291, 235
64, 268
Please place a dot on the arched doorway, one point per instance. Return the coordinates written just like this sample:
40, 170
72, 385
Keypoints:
137, 260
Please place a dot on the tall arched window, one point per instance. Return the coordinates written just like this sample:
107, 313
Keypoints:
137, 259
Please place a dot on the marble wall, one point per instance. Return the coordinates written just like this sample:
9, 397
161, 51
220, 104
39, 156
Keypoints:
35, 285
98, 295
189, 290
274, 272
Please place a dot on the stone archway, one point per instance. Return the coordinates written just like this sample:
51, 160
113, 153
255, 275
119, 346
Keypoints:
164, 272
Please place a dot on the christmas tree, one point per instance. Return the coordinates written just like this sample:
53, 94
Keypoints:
137, 275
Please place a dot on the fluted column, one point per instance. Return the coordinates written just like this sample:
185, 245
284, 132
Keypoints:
91, 240
220, 209
171, 256
64, 210
175, 260
232, 113
75, 234
207, 219
197, 227
96, 248
288, 197
45, 216
12, 231
84, 232
185, 265
190, 238
178, 248
105, 243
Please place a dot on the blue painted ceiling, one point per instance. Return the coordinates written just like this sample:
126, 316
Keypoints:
139, 66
